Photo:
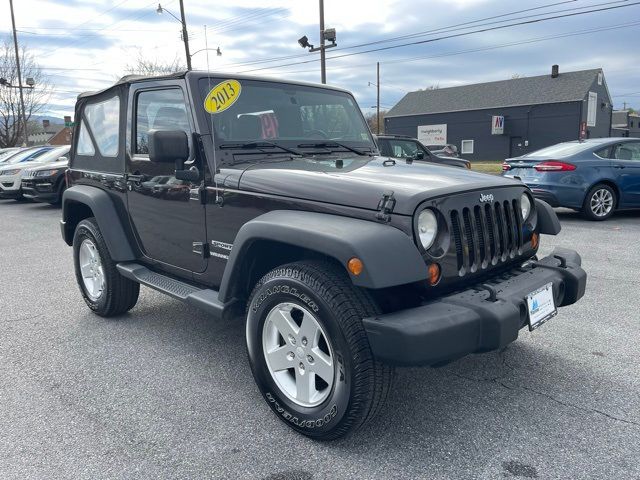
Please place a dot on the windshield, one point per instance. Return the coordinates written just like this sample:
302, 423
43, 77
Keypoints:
560, 150
256, 111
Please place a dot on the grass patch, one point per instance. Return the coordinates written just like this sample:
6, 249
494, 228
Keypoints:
493, 167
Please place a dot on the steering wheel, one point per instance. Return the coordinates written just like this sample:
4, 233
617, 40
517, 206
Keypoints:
317, 133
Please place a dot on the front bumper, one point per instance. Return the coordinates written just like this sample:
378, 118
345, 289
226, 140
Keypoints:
471, 321
40, 189
10, 186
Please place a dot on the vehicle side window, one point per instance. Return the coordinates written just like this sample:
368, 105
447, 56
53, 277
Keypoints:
104, 121
85, 145
159, 110
627, 151
403, 148
603, 152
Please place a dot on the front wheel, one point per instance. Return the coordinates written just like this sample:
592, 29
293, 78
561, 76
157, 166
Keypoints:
600, 202
309, 353
104, 290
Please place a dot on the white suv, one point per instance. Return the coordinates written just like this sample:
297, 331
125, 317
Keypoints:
12, 170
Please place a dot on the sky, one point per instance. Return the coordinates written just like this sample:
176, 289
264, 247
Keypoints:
87, 44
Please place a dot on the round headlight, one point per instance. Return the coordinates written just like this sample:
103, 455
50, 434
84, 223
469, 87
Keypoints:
427, 228
525, 206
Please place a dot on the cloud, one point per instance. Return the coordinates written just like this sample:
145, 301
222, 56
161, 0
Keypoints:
102, 37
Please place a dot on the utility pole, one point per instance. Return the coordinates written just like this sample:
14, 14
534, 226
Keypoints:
325, 34
323, 67
185, 37
378, 102
15, 43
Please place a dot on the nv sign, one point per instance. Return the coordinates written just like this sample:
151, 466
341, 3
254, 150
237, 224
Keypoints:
497, 125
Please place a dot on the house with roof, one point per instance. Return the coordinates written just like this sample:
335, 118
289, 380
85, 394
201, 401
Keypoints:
507, 118
625, 123
52, 133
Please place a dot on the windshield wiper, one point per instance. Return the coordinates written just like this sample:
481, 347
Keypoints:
261, 145
333, 144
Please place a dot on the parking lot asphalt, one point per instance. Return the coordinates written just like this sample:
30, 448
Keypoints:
166, 392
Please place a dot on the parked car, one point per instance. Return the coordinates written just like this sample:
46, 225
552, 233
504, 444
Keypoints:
11, 170
447, 150
7, 152
342, 263
408, 148
596, 176
47, 183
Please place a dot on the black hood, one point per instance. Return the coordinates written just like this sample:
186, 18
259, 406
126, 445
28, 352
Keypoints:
361, 181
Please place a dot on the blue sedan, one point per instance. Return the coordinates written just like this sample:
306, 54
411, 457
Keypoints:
596, 176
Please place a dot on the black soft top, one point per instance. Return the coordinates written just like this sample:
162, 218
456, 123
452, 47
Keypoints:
130, 79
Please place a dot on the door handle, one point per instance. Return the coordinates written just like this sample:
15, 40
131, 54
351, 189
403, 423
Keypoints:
619, 166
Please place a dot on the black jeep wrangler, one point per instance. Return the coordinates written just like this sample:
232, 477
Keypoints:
268, 200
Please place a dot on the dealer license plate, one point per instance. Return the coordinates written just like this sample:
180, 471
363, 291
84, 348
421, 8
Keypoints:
541, 306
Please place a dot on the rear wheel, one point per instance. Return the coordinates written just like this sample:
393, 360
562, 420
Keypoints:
600, 202
309, 353
104, 290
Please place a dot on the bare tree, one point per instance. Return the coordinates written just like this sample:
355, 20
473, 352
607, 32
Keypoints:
35, 99
144, 65
372, 121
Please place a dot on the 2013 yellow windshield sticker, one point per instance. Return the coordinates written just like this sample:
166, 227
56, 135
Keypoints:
222, 96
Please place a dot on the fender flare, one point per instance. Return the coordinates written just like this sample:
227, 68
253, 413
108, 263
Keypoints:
548, 222
389, 255
106, 216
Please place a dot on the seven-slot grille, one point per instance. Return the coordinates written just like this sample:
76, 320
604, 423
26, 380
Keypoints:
486, 234
30, 174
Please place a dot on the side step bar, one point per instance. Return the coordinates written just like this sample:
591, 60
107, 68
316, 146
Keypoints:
205, 299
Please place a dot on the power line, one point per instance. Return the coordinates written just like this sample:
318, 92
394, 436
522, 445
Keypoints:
457, 35
448, 28
483, 49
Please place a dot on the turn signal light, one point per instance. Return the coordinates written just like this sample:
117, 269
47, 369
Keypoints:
535, 240
554, 166
434, 274
355, 266
505, 166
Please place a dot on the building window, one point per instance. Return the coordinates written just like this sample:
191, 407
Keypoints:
600, 75
592, 109
631, 123
467, 147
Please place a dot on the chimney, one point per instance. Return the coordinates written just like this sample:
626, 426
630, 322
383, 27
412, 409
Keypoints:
555, 71
67, 119
45, 124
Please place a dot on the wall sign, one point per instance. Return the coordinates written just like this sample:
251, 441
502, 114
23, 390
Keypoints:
433, 134
497, 125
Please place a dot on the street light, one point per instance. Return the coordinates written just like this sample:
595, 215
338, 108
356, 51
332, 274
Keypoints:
329, 35
217, 50
183, 21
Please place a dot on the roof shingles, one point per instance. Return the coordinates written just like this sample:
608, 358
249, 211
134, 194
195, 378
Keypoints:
567, 87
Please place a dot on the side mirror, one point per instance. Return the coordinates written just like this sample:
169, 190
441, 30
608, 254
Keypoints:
168, 146
419, 156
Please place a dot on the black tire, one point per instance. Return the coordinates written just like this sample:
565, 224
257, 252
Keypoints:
61, 188
361, 384
119, 294
588, 210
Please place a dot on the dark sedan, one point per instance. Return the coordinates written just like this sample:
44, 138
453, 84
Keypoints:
397, 146
596, 176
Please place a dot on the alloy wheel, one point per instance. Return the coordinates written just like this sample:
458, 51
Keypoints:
298, 354
601, 202
91, 269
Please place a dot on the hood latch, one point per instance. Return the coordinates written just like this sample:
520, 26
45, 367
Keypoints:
385, 206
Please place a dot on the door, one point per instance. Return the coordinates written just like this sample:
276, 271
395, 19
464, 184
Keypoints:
166, 218
625, 161
516, 148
